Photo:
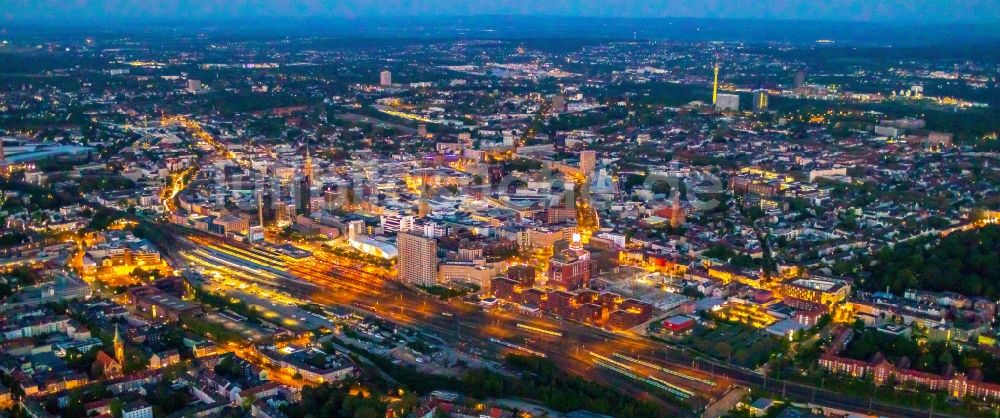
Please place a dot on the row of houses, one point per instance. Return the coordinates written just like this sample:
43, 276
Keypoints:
881, 371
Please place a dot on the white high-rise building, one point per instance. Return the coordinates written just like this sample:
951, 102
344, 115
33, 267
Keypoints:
588, 162
385, 78
726, 101
418, 259
394, 222
355, 229
431, 229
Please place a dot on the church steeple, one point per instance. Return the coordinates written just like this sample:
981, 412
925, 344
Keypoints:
307, 167
119, 347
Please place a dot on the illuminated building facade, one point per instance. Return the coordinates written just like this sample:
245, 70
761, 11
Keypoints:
727, 276
815, 290
759, 101
418, 260
746, 313
588, 162
715, 83
727, 102
478, 274
570, 268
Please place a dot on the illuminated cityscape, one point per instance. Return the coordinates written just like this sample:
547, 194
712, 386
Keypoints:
527, 214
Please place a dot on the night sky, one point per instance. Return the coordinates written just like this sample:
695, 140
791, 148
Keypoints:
897, 11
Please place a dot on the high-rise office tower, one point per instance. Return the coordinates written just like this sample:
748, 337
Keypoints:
296, 194
728, 102
260, 205
800, 78
417, 259
302, 195
588, 162
759, 101
268, 205
385, 78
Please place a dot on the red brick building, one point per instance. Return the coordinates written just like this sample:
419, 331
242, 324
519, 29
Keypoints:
522, 273
561, 303
590, 313
569, 269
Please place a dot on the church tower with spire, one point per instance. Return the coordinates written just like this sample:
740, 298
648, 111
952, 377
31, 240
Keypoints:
676, 212
119, 347
307, 167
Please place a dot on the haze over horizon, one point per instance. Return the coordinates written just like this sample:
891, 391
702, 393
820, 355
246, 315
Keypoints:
889, 11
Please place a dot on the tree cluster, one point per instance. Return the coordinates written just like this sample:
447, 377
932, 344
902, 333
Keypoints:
964, 262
